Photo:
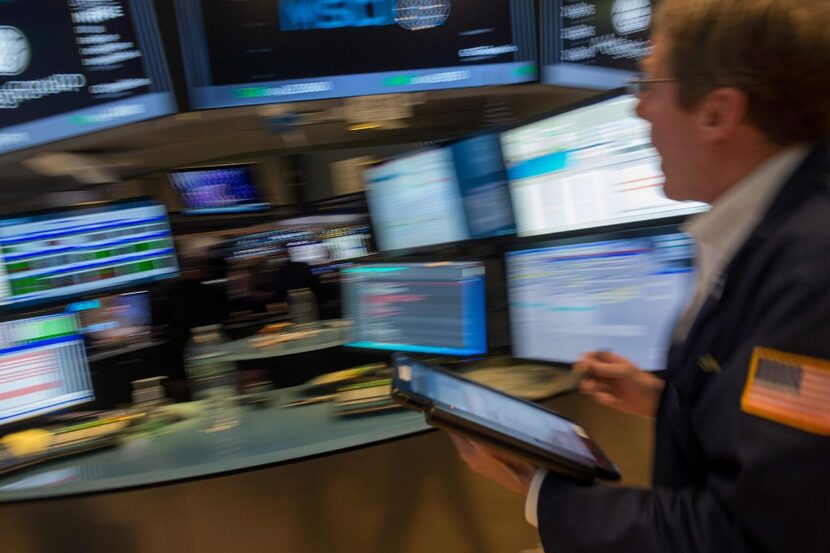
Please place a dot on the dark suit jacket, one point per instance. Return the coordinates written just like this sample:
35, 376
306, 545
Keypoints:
725, 480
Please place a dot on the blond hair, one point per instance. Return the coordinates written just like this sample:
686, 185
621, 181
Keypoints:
777, 52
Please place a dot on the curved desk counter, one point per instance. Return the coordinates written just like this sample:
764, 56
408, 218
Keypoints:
265, 436
300, 339
287, 480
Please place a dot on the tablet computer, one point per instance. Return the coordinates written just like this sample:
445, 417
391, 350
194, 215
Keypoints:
517, 426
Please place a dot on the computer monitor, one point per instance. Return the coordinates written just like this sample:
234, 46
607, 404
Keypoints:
347, 242
416, 307
55, 255
216, 190
72, 68
114, 320
415, 201
43, 367
588, 166
619, 292
267, 51
593, 43
482, 180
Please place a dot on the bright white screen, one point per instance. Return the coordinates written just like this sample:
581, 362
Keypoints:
415, 201
588, 167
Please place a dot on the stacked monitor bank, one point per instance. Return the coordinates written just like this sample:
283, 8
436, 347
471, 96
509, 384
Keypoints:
61, 262
597, 266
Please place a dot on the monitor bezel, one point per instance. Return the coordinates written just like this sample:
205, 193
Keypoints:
261, 206
612, 232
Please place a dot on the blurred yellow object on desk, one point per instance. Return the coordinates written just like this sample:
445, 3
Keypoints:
27, 442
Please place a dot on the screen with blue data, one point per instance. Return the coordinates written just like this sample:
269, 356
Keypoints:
416, 307
593, 43
43, 366
265, 51
71, 68
230, 189
622, 295
53, 255
585, 167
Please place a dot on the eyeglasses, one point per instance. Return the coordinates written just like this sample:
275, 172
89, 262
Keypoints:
639, 84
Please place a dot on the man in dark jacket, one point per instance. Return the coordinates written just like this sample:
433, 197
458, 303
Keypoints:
738, 95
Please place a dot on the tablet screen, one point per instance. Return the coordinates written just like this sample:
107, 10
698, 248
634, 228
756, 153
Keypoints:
507, 415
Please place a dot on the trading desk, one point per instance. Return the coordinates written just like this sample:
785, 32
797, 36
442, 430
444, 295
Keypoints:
287, 480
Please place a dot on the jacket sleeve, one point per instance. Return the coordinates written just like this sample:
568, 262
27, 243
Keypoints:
768, 494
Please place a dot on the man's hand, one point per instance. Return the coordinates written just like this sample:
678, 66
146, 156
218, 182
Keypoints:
512, 473
616, 382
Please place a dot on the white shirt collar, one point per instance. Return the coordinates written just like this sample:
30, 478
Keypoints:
719, 232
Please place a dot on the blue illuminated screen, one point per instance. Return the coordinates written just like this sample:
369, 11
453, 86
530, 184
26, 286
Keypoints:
229, 189
267, 51
44, 367
114, 320
621, 295
416, 307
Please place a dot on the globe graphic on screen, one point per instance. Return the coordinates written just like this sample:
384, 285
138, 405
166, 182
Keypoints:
631, 16
416, 15
14, 51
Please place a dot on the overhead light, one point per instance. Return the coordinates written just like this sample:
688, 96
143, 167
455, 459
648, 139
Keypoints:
364, 126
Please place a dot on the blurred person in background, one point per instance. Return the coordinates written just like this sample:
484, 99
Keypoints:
738, 95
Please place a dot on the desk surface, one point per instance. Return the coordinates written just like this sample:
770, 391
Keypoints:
326, 334
265, 436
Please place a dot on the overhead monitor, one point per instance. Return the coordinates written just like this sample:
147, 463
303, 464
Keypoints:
593, 43
415, 201
114, 320
71, 68
54, 255
416, 307
621, 293
43, 366
266, 51
216, 190
482, 179
585, 167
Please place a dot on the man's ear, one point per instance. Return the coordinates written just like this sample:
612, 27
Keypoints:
722, 112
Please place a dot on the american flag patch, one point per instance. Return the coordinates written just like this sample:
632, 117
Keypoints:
789, 389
